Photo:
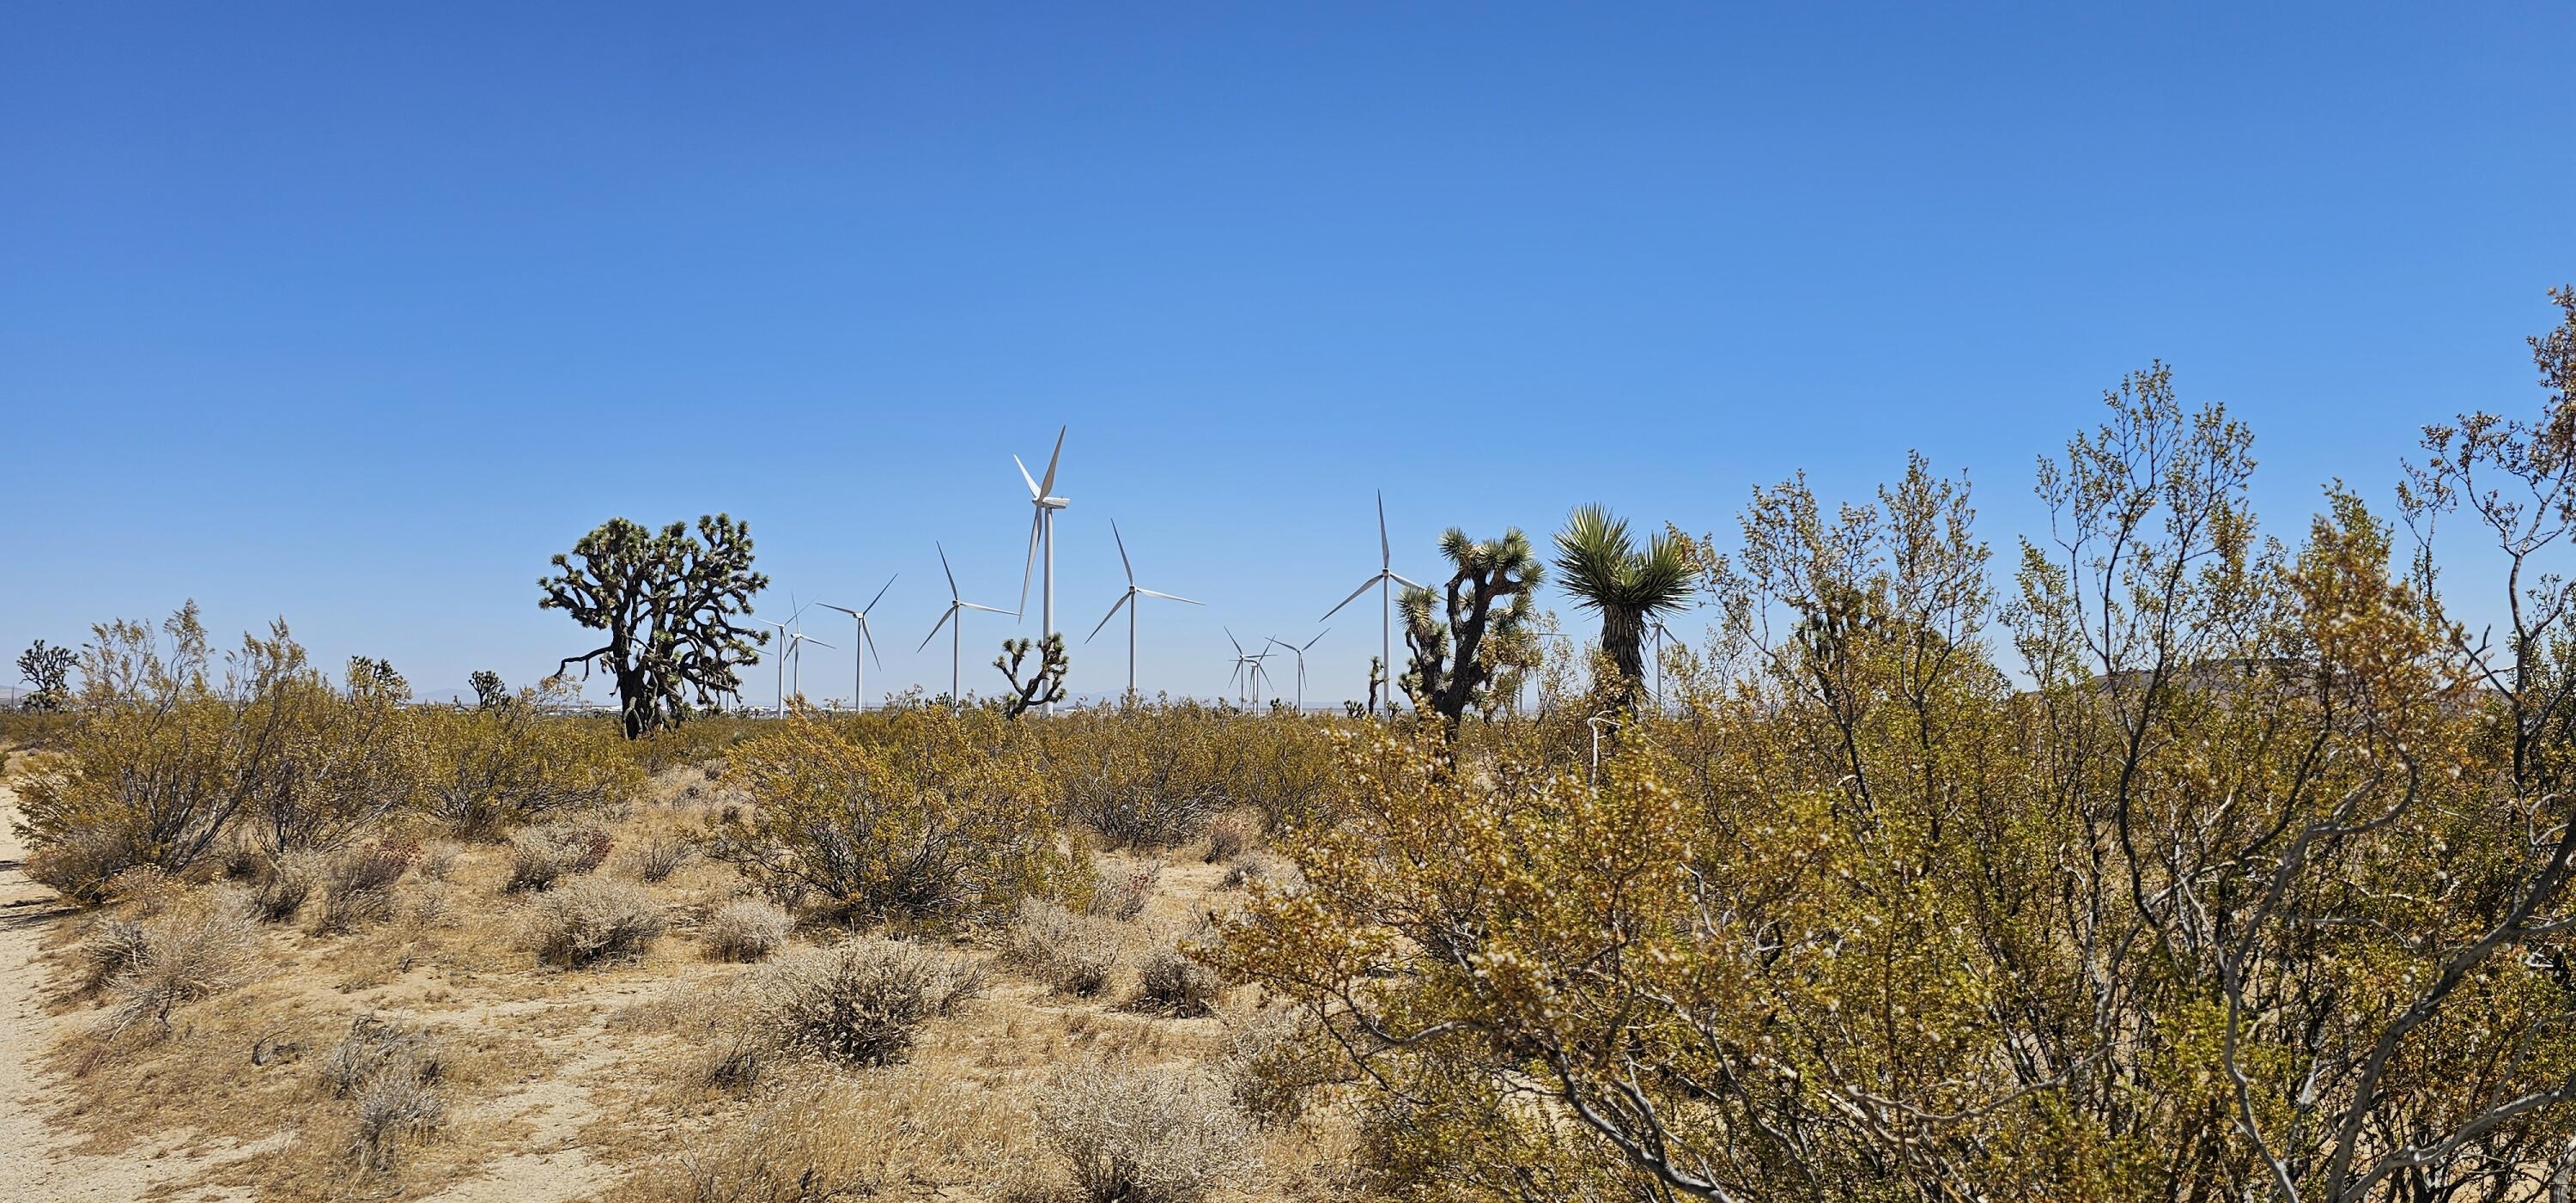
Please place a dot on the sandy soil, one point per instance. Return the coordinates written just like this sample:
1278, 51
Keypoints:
36, 1163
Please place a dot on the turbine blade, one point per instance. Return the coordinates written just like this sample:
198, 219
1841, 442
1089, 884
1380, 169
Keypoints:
1123, 599
989, 609
1229, 638
1030, 565
1385, 550
1047, 487
1122, 552
1034, 492
872, 602
943, 567
869, 638
1170, 596
1319, 638
1365, 586
843, 609
944, 616
1401, 579
819, 643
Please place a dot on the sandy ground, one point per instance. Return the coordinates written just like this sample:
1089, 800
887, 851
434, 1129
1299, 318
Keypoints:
36, 1164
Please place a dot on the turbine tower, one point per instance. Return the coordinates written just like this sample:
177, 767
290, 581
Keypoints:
796, 650
1300, 652
1386, 580
1128, 600
957, 607
1042, 530
786, 640
863, 642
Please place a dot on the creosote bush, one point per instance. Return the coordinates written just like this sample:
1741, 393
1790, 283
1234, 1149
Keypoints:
544, 855
861, 1002
358, 883
1144, 1135
656, 859
592, 920
1171, 982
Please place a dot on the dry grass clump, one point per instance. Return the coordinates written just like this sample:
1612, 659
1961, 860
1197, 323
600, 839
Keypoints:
107, 949
392, 1072
1227, 838
438, 859
747, 929
201, 945
1169, 981
282, 883
1144, 1136
813, 1137
591, 921
1278, 872
1123, 892
358, 883
658, 858
861, 1002
1070, 953
542, 856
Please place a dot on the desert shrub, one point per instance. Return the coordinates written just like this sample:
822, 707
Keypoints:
861, 1002
358, 883
747, 929
656, 859
203, 944
391, 1073
1071, 953
1122, 893
284, 881
438, 859
1276, 871
1145, 777
803, 1143
435, 905
107, 948
1227, 838
1144, 1136
488, 769
1169, 981
170, 752
938, 825
543, 856
592, 920
1273, 1061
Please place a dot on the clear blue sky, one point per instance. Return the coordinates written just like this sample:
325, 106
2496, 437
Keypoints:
356, 314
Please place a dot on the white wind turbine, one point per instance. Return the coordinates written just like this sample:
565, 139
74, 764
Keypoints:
1042, 530
1386, 580
863, 641
1300, 653
957, 607
1128, 599
796, 650
1247, 668
786, 641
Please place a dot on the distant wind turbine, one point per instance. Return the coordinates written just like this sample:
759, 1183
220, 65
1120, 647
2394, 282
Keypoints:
1128, 600
1386, 580
1042, 530
1248, 668
1300, 653
862, 641
796, 650
786, 640
957, 607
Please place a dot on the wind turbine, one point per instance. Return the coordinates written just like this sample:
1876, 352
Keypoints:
863, 641
1242, 662
786, 640
1128, 599
1042, 530
957, 606
1300, 653
796, 650
1386, 581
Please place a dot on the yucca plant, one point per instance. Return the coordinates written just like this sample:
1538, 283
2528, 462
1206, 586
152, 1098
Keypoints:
1606, 573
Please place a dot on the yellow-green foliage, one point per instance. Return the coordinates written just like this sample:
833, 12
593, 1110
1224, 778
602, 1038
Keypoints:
918, 815
495, 767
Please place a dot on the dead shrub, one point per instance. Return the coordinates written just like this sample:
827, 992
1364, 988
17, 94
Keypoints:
1071, 954
1277, 872
1227, 838
107, 949
1170, 982
861, 1002
593, 920
283, 882
804, 1143
438, 859
747, 929
392, 1108
392, 1071
1144, 1136
201, 945
658, 858
374, 1046
1123, 893
542, 856
1274, 1060
358, 883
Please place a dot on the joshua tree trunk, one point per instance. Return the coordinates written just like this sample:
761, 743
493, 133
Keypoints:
1623, 636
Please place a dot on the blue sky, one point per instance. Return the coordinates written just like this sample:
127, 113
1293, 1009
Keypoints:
356, 314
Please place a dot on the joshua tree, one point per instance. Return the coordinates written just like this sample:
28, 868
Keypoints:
1605, 572
667, 601
49, 669
370, 675
489, 692
1485, 603
1043, 688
